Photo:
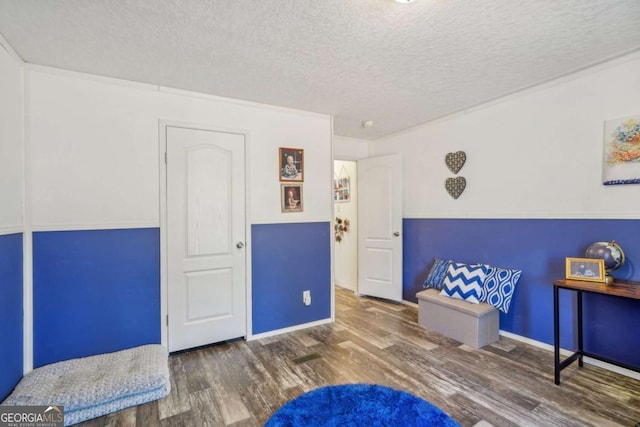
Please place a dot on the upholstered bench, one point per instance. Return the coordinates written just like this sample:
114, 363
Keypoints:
473, 324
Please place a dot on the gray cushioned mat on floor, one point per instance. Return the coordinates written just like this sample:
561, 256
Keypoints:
92, 386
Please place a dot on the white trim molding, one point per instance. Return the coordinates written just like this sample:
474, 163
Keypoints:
525, 215
613, 368
267, 221
95, 226
275, 332
91, 77
569, 76
11, 229
27, 237
156, 88
539, 344
12, 53
240, 102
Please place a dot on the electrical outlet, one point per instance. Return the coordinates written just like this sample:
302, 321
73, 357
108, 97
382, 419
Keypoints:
306, 297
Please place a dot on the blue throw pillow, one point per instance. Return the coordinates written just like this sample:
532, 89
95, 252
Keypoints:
499, 286
464, 282
436, 274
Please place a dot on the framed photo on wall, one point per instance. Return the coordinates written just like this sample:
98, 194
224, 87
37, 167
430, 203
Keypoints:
291, 198
621, 151
588, 269
291, 164
342, 189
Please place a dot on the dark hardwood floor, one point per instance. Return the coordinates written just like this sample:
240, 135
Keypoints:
508, 383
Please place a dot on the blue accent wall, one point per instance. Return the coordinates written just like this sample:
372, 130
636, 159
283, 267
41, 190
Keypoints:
95, 291
538, 247
288, 259
11, 318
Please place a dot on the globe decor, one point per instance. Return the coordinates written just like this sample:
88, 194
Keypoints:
611, 253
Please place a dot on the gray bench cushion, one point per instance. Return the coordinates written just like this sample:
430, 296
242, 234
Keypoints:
92, 386
476, 310
473, 324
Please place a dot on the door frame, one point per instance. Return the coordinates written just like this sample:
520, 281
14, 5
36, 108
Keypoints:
164, 290
333, 218
349, 158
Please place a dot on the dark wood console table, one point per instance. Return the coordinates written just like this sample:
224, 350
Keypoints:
620, 288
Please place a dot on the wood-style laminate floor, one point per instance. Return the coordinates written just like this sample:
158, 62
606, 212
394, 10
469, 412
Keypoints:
508, 383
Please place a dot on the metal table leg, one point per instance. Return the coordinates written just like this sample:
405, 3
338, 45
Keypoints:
580, 336
556, 335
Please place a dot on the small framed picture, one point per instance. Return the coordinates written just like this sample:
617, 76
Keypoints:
291, 164
585, 269
291, 197
342, 189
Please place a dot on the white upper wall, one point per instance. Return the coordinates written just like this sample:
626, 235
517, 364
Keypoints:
350, 148
11, 141
95, 150
534, 154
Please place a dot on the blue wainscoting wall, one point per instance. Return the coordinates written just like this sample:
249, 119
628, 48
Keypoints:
288, 259
537, 247
94, 292
11, 319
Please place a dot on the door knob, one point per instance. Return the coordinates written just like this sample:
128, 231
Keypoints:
240, 245
397, 233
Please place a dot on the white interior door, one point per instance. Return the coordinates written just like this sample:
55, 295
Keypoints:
205, 237
380, 221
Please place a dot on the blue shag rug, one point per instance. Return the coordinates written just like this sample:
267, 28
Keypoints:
359, 405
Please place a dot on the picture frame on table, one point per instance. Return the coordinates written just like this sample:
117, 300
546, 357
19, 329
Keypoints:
588, 269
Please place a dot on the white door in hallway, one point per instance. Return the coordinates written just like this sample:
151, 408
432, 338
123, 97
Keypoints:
380, 222
206, 262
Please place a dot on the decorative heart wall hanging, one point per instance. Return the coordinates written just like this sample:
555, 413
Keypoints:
455, 186
455, 161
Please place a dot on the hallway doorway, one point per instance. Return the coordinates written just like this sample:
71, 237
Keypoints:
345, 214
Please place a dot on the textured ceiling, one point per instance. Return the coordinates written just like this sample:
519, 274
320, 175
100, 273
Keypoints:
396, 64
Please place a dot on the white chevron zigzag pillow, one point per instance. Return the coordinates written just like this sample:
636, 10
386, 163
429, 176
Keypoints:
464, 282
